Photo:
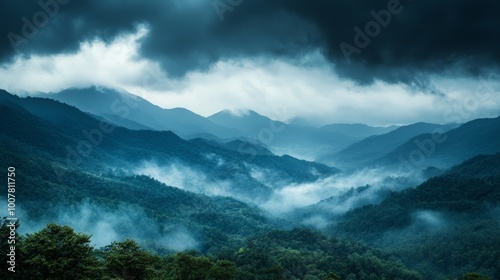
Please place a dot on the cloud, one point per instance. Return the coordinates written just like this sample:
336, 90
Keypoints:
187, 36
316, 93
306, 86
114, 64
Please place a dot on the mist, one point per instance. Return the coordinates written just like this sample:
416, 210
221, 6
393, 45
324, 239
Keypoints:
424, 223
428, 219
181, 176
332, 196
106, 225
314, 204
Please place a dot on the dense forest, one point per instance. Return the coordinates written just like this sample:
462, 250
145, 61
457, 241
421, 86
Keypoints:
58, 252
298, 254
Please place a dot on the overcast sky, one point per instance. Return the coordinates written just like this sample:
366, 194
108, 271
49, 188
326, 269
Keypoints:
378, 62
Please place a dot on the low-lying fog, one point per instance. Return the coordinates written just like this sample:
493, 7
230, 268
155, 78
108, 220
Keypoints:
332, 196
315, 203
107, 225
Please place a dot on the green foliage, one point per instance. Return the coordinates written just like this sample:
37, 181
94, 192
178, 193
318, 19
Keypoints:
186, 266
57, 252
332, 276
126, 260
478, 167
446, 193
474, 276
190, 267
302, 254
223, 270
298, 254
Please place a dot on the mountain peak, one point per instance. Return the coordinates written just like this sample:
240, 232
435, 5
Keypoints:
239, 113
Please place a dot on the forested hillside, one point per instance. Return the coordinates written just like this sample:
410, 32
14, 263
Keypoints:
296, 254
446, 226
73, 138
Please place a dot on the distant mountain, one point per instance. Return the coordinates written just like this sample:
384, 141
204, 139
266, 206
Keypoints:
239, 146
358, 130
133, 112
66, 158
473, 138
77, 139
301, 141
359, 154
250, 122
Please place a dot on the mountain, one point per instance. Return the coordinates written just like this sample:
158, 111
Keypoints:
444, 150
365, 151
358, 130
119, 205
133, 112
172, 194
449, 223
76, 170
82, 168
301, 141
127, 110
250, 122
239, 146
78, 139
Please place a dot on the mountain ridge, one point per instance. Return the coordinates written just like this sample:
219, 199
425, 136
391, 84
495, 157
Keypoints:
363, 152
98, 145
134, 112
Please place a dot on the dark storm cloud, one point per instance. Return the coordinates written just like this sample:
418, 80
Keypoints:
422, 37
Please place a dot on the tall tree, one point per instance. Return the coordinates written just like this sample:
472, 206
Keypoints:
126, 260
188, 267
57, 252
